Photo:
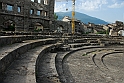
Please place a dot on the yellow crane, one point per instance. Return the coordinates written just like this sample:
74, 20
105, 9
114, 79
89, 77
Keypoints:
73, 14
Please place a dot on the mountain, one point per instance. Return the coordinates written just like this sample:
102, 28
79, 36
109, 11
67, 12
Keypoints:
80, 16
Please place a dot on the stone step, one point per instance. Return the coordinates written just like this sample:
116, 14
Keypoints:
64, 48
76, 45
61, 57
94, 44
59, 65
7, 40
23, 68
47, 72
9, 53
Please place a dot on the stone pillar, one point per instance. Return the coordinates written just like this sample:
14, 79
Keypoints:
51, 8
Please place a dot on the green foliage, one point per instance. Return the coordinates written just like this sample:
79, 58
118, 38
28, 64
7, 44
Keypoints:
87, 32
101, 32
84, 54
107, 32
55, 16
10, 27
36, 30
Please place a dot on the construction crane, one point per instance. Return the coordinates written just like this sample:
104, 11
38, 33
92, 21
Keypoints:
73, 13
73, 16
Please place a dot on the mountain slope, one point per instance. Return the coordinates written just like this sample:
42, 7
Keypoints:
80, 16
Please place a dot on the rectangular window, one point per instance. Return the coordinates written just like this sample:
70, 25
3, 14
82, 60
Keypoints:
45, 2
39, 1
38, 12
19, 9
45, 14
9, 7
0, 5
31, 11
32, 0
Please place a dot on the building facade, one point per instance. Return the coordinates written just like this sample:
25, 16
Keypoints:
26, 15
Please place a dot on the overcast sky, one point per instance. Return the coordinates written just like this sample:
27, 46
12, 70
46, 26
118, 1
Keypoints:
108, 10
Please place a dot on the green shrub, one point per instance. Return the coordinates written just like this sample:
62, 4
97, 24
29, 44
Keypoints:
101, 32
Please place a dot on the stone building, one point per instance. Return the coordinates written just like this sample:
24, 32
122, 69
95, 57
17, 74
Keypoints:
79, 28
26, 15
115, 28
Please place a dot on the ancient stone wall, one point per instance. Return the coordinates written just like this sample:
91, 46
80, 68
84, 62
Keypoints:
25, 13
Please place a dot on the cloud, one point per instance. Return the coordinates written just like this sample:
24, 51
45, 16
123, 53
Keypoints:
59, 7
117, 1
91, 5
88, 5
63, 6
116, 5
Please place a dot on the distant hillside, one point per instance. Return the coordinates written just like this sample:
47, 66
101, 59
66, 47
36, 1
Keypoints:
80, 16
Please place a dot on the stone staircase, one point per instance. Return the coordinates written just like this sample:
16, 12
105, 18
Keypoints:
39, 58
11, 57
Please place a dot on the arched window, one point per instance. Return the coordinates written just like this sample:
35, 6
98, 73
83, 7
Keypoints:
9, 25
38, 27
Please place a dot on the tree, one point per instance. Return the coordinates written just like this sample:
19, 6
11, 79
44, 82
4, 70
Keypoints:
55, 16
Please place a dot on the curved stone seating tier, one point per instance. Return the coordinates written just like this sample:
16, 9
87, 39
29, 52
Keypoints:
110, 41
60, 59
45, 66
9, 53
40, 59
25, 67
90, 57
6, 40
